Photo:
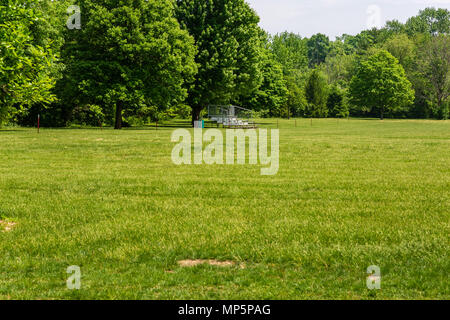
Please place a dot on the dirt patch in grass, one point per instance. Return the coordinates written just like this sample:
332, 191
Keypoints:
6, 226
216, 263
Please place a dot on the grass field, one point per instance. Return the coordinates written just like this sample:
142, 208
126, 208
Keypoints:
348, 195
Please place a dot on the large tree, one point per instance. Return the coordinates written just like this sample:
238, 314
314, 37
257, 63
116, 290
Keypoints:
430, 20
271, 96
340, 68
318, 49
316, 92
128, 54
291, 51
24, 66
296, 101
433, 66
337, 103
380, 84
403, 48
226, 33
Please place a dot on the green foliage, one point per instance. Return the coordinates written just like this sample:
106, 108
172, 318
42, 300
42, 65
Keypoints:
395, 27
155, 114
128, 55
316, 92
381, 84
433, 71
318, 49
431, 21
296, 103
402, 48
227, 35
271, 96
358, 44
337, 103
181, 111
291, 51
90, 115
340, 68
24, 65
131, 57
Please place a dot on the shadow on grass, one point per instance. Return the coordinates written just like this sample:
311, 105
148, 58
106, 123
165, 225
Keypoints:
153, 126
10, 129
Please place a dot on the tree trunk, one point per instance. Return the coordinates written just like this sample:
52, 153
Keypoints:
196, 113
382, 114
119, 108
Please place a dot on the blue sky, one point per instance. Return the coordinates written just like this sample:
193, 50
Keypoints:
335, 17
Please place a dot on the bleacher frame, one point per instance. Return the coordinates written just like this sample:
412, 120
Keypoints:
231, 117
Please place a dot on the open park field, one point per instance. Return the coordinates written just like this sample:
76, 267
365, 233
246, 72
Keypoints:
349, 194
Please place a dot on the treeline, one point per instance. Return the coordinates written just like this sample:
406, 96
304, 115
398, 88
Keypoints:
400, 70
131, 62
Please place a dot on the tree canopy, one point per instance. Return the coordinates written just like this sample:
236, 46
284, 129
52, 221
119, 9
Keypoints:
316, 92
381, 84
24, 65
226, 34
129, 54
318, 49
434, 67
150, 60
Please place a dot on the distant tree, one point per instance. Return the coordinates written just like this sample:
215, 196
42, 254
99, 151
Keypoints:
128, 54
395, 27
430, 20
337, 103
433, 66
296, 103
318, 49
24, 66
380, 84
362, 42
343, 45
403, 48
340, 69
226, 33
271, 95
359, 44
291, 51
316, 92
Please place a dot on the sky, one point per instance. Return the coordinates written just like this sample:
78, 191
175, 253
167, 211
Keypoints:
335, 17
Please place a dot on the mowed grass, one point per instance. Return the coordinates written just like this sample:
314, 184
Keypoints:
349, 194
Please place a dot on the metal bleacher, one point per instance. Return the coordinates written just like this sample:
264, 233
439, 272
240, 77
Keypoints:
231, 117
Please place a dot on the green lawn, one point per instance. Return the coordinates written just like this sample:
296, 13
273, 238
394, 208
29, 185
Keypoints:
349, 194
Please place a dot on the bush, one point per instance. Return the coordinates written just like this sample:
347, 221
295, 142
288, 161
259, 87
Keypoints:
337, 103
444, 112
316, 92
90, 115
